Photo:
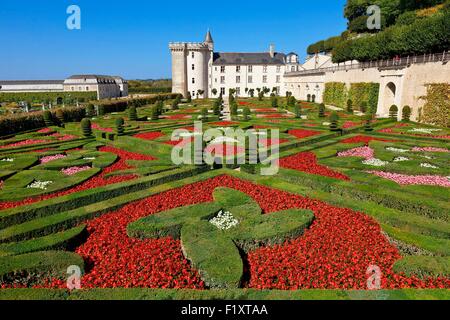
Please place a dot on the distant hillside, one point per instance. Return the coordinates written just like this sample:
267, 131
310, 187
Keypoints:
409, 27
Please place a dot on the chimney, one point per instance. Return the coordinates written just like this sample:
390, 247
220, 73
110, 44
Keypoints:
272, 50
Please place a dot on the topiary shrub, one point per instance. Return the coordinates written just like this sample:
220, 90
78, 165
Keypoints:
154, 115
204, 114
246, 113
297, 112
368, 124
406, 113
101, 110
334, 118
48, 119
86, 127
132, 113
90, 110
322, 110
60, 116
234, 108
349, 106
119, 126
274, 101
393, 112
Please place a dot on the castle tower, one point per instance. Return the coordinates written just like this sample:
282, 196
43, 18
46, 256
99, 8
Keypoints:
191, 63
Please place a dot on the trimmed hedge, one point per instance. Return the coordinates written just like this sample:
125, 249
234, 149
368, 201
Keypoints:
37, 266
46, 97
423, 266
335, 94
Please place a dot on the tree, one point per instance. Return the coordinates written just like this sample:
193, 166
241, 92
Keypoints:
261, 95
200, 92
119, 126
297, 112
393, 112
251, 92
132, 113
214, 91
292, 102
234, 108
334, 118
189, 97
322, 110
86, 127
349, 106
406, 113
217, 107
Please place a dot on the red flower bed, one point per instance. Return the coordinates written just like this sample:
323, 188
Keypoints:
149, 135
301, 134
180, 143
94, 182
245, 103
45, 130
312, 125
274, 115
270, 142
334, 253
350, 124
224, 123
265, 110
307, 162
365, 140
223, 150
63, 137
176, 117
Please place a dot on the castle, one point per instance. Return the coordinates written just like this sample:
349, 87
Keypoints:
197, 69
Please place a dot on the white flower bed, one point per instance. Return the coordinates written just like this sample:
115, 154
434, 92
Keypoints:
375, 162
326, 123
397, 150
424, 130
7, 160
89, 158
426, 157
224, 220
401, 159
428, 165
39, 185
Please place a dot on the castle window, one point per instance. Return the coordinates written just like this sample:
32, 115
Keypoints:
222, 79
222, 69
278, 79
250, 69
238, 79
193, 80
278, 69
238, 91
265, 69
87, 88
250, 79
238, 69
193, 67
293, 68
193, 54
222, 91
264, 79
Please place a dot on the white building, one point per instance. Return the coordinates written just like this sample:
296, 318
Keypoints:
197, 69
105, 86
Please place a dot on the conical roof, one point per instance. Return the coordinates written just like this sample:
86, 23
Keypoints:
208, 38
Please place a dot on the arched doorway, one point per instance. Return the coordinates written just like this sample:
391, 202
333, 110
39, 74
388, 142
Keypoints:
59, 100
389, 96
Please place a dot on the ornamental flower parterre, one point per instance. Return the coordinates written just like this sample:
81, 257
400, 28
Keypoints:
404, 180
94, 182
48, 159
334, 253
429, 149
74, 170
363, 152
301, 134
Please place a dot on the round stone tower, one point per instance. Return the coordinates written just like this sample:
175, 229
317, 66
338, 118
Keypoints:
191, 63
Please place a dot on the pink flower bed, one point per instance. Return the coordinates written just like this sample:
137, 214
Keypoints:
224, 150
74, 170
95, 126
24, 143
363, 152
62, 137
52, 158
404, 180
429, 149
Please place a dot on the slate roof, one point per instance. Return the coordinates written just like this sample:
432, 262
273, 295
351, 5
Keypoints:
230, 58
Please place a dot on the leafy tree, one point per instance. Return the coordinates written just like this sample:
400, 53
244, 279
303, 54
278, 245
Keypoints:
214, 91
393, 112
251, 92
274, 101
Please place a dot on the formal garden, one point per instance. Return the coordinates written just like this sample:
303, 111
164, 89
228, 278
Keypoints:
94, 186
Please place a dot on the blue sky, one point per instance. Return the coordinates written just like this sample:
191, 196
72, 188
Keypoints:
130, 38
